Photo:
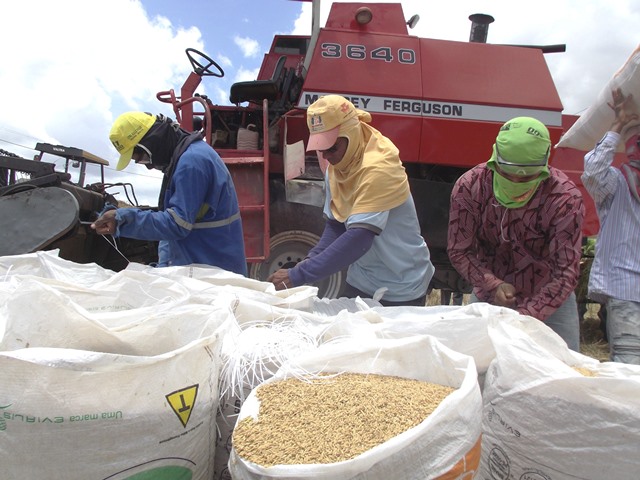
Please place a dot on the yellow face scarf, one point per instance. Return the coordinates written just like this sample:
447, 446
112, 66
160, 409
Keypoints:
370, 177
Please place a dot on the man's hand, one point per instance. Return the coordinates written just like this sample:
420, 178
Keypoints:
505, 295
280, 279
621, 106
106, 224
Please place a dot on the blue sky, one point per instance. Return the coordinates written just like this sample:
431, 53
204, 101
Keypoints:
69, 67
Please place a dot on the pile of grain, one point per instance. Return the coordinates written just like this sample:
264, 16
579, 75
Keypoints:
333, 418
585, 371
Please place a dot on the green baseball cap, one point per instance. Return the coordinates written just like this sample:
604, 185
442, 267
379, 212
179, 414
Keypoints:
522, 147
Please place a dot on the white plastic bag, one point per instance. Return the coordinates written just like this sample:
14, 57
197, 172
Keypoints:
76, 414
444, 443
463, 329
203, 280
594, 123
40, 314
544, 419
47, 264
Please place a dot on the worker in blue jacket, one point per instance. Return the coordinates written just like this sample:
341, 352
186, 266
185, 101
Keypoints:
198, 218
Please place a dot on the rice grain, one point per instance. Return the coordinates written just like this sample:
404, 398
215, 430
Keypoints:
332, 418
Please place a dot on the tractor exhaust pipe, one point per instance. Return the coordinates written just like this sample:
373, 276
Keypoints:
479, 27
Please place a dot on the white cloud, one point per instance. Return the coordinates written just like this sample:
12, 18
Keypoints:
245, 74
224, 61
76, 65
249, 46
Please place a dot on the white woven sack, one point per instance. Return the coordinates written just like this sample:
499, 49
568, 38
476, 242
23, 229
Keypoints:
204, 281
544, 419
248, 138
594, 123
122, 291
76, 414
426, 451
55, 319
463, 329
48, 264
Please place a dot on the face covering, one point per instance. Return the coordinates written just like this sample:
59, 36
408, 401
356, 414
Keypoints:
514, 194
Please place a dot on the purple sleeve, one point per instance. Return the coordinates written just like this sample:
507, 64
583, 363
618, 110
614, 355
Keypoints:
332, 230
338, 255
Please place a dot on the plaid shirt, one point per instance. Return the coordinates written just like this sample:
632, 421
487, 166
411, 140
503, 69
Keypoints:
536, 248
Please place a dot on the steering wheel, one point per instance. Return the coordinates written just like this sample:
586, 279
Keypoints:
196, 56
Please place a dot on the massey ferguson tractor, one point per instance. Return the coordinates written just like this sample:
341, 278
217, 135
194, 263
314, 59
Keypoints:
441, 103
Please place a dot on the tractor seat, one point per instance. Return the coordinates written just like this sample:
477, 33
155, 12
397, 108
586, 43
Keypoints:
259, 89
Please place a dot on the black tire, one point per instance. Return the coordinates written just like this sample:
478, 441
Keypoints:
295, 229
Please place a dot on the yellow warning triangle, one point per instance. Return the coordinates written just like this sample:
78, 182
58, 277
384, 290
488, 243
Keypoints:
182, 402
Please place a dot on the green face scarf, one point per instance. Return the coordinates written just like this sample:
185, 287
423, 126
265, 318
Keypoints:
514, 194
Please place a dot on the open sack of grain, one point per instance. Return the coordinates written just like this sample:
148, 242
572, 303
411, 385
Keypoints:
441, 444
551, 413
594, 123
263, 339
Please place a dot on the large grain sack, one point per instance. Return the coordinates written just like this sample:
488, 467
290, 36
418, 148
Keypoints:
551, 413
47, 264
45, 313
74, 414
594, 123
205, 280
444, 445
120, 292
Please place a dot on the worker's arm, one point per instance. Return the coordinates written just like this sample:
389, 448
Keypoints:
332, 230
564, 244
599, 177
462, 243
341, 253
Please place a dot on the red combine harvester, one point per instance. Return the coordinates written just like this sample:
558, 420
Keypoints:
441, 102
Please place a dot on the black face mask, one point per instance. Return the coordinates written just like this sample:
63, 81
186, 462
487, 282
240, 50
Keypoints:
161, 140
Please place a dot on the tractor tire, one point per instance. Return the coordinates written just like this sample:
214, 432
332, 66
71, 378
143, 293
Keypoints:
295, 229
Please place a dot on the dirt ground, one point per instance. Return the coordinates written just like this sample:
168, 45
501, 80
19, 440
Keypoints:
592, 341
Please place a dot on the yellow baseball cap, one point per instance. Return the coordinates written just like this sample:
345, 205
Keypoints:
126, 133
324, 117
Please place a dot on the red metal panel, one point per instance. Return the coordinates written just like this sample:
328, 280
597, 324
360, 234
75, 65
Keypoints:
487, 74
359, 66
461, 143
375, 64
387, 18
